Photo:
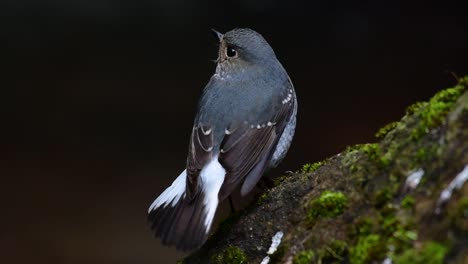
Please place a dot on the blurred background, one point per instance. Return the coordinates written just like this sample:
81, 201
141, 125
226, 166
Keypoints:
98, 99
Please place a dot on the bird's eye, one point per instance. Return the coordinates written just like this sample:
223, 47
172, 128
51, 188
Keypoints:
231, 52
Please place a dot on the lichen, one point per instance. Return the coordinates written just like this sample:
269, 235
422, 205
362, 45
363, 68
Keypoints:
230, 255
431, 253
328, 204
304, 257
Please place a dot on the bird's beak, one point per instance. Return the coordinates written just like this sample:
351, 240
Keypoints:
218, 35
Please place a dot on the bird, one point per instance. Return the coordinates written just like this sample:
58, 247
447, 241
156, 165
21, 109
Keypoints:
244, 126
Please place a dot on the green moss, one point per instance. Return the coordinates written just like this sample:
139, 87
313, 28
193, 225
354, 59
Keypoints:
338, 246
354, 167
373, 235
386, 129
370, 149
382, 197
357, 147
231, 255
397, 235
335, 250
375, 154
278, 180
389, 225
415, 107
368, 248
304, 257
328, 204
405, 235
407, 202
311, 167
278, 255
364, 226
433, 113
427, 153
430, 253
262, 198
462, 208
353, 148
459, 214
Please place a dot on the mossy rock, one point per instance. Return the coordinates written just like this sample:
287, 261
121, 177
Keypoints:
328, 205
230, 255
356, 207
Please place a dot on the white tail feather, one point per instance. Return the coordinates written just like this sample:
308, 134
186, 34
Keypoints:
212, 178
172, 194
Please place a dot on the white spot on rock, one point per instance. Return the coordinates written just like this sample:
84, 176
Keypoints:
275, 242
455, 184
413, 180
387, 261
265, 260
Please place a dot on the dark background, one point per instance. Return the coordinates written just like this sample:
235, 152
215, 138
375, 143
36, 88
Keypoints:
98, 97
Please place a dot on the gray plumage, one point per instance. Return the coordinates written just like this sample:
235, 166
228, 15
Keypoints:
245, 123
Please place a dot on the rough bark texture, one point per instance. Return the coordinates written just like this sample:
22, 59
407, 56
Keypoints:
359, 206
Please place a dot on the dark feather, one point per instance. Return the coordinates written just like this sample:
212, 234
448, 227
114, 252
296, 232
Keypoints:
183, 225
200, 152
246, 152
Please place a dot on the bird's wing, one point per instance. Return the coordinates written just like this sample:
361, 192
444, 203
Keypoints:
247, 148
200, 153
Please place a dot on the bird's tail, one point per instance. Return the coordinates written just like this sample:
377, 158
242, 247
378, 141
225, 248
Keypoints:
181, 222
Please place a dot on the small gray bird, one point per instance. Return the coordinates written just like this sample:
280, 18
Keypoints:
244, 126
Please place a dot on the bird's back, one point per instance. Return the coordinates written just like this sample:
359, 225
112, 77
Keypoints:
229, 101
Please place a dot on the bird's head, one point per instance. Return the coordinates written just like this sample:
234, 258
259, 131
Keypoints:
241, 47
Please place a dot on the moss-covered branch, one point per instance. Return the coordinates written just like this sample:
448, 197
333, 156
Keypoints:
372, 202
